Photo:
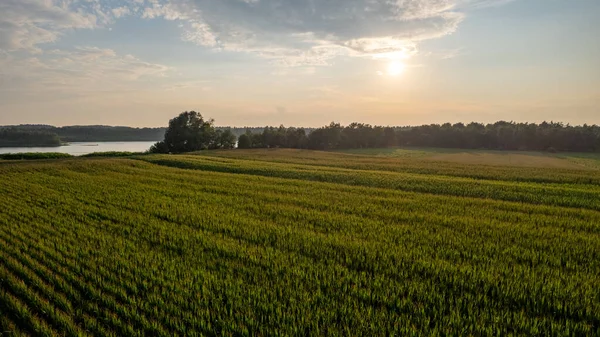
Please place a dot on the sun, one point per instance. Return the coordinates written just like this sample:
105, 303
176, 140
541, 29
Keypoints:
395, 68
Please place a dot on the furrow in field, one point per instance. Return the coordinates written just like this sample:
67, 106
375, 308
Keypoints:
103, 278
49, 317
8, 327
37, 272
91, 289
22, 315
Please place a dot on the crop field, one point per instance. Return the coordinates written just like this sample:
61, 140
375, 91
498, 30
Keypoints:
489, 157
297, 243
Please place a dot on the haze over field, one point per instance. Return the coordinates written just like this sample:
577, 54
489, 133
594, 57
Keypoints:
300, 62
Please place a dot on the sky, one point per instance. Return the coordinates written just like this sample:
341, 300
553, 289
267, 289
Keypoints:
299, 62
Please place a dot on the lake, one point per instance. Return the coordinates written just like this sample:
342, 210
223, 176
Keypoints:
77, 149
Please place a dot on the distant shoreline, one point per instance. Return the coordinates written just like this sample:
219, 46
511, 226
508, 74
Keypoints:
97, 142
81, 148
3, 146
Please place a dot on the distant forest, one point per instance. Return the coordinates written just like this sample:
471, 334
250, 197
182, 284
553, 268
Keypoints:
10, 137
497, 136
38, 135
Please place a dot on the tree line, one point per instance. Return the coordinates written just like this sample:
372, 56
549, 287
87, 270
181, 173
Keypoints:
191, 132
47, 135
497, 136
102, 133
11, 137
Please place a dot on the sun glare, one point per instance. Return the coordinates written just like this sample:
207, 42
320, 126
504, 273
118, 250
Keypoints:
395, 68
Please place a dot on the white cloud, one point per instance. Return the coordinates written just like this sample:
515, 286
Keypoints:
199, 33
80, 69
166, 11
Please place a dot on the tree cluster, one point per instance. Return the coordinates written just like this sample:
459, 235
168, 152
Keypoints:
190, 132
498, 136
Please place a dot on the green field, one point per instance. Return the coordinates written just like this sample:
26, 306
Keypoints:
489, 157
299, 243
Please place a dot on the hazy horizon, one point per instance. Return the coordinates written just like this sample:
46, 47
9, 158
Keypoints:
290, 125
301, 63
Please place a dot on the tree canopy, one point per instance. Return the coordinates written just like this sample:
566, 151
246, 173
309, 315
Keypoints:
190, 132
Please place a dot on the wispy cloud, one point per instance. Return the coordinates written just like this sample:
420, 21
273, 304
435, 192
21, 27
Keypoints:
82, 68
308, 32
24, 24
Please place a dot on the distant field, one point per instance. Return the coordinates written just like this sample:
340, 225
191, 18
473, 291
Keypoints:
486, 157
301, 243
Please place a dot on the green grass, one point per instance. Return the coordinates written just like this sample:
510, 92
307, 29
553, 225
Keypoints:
287, 242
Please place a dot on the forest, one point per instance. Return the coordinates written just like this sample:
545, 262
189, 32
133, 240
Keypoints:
10, 137
47, 135
497, 136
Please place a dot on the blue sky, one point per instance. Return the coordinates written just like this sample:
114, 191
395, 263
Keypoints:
299, 62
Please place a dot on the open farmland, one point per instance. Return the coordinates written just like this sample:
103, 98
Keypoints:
291, 242
489, 157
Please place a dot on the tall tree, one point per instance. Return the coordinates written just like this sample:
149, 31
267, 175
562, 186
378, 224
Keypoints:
190, 132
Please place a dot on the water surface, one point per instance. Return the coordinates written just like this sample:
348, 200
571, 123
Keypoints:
77, 149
